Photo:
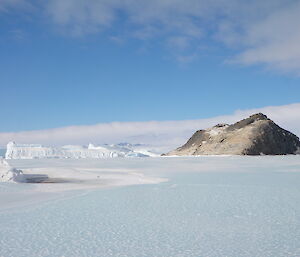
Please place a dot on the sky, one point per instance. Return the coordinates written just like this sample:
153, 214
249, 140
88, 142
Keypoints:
84, 62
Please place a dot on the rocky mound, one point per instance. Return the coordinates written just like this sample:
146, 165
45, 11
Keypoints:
256, 135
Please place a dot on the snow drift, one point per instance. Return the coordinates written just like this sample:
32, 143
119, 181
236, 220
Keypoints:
10, 174
36, 151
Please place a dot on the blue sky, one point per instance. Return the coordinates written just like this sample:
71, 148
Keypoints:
85, 63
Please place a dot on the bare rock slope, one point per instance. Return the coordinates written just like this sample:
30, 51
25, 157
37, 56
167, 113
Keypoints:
256, 135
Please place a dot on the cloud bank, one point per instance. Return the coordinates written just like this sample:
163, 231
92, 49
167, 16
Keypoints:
256, 32
161, 134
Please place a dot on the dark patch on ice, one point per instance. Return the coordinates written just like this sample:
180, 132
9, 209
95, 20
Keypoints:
45, 179
2, 152
42, 178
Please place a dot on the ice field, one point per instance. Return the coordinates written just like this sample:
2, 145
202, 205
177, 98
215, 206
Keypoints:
154, 207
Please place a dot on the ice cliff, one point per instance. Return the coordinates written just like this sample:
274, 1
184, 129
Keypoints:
36, 151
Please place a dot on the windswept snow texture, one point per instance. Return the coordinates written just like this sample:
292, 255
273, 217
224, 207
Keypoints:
209, 207
36, 151
10, 174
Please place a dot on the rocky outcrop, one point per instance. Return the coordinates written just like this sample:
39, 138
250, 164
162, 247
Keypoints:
256, 135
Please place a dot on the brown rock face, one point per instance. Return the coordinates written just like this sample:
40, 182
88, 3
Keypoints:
256, 135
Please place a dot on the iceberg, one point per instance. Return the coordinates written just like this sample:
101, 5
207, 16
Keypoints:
10, 174
37, 151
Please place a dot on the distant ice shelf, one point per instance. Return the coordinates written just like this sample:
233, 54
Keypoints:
37, 151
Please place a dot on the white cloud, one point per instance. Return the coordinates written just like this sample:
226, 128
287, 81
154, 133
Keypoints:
275, 40
7, 5
266, 32
261, 32
164, 134
80, 16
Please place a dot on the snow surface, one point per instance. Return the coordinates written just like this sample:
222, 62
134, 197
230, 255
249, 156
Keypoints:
36, 151
208, 207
